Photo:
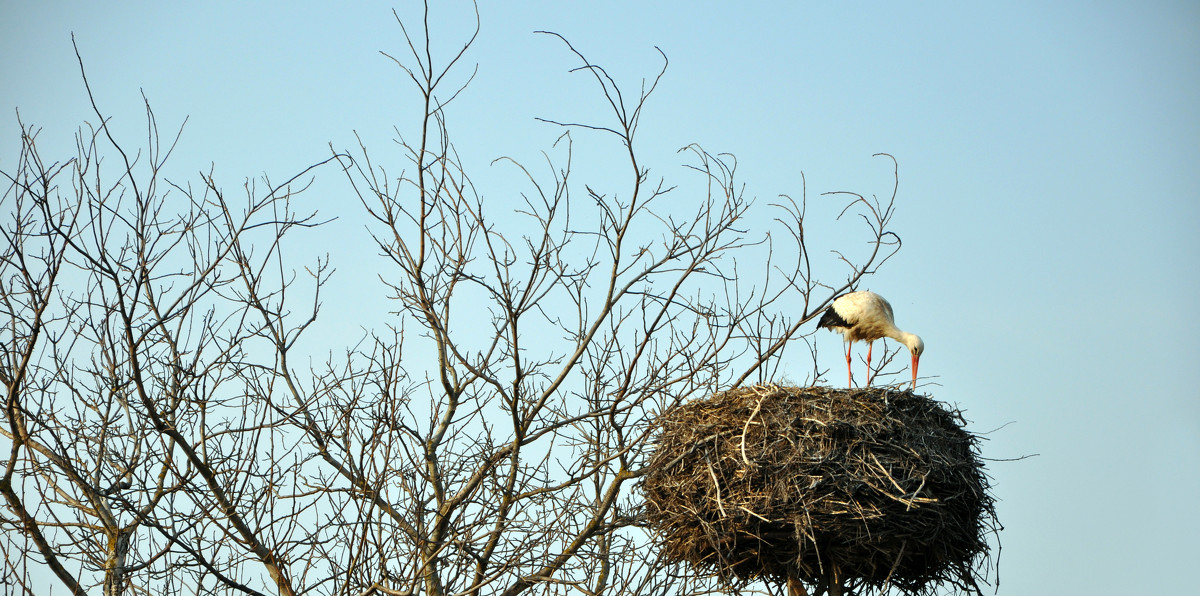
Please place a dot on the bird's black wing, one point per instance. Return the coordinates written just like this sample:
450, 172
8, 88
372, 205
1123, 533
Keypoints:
832, 319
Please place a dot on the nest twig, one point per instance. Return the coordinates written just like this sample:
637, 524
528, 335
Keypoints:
874, 487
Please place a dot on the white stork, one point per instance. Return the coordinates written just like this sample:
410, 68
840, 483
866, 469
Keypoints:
866, 316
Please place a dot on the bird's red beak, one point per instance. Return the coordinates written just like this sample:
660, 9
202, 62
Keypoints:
915, 361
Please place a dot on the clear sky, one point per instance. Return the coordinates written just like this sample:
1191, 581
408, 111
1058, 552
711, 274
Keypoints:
1049, 189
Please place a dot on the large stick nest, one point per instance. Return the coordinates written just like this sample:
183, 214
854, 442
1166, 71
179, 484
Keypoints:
768, 482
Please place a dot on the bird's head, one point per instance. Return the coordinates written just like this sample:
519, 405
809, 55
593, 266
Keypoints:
916, 346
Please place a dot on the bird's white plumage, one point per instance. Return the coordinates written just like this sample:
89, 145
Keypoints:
867, 316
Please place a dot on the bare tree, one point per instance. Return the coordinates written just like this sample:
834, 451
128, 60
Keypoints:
486, 439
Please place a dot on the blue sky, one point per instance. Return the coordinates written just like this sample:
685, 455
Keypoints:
1049, 178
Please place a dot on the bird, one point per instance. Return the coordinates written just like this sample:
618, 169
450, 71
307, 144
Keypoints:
867, 316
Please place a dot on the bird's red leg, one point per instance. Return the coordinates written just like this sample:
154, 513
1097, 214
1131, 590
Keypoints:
869, 345
849, 373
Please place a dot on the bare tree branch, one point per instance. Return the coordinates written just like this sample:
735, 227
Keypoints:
169, 430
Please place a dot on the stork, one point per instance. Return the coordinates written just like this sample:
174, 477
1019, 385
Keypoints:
866, 316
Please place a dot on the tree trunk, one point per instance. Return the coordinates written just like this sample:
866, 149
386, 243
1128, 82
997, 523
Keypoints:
114, 567
835, 580
796, 587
